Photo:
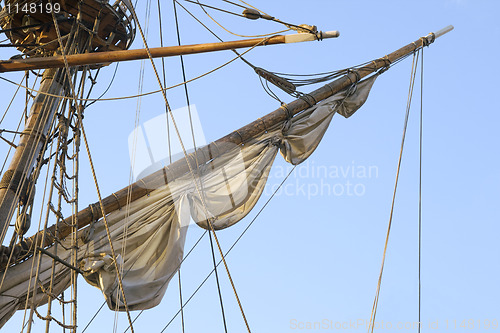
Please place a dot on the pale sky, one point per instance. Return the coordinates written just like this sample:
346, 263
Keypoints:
314, 254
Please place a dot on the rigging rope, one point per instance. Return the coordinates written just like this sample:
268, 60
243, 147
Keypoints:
249, 5
407, 114
213, 33
71, 48
254, 14
12, 99
185, 84
74, 221
178, 266
31, 154
188, 255
216, 8
16, 132
180, 300
235, 34
165, 79
420, 191
256, 69
43, 201
61, 154
17, 129
192, 133
24, 171
80, 121
30, 320
135, 137
217, 282
105, 91
120, 282
142, 94
166, 88
190, 167
229, 250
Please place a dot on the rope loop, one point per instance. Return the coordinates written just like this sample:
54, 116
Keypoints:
355, 71
288, 121
307, 98
264, 123
117, 201
387, 60
387, 64
426, 41
93, 213
319, 36
211, 153
241, 138
148, 191
330, 87
288, 114
89, 233
354, 84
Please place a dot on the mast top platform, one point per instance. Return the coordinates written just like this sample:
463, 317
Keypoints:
30, 26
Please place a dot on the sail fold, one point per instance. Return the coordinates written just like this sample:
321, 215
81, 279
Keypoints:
149, 234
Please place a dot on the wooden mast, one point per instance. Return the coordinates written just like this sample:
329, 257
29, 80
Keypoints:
111, 27
15, 183
169, 51
142, 187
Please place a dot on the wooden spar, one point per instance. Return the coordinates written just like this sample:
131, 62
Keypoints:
143, 187
169, 51
15, 181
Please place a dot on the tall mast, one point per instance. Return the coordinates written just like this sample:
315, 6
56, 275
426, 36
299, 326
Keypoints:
16, 183
93, 26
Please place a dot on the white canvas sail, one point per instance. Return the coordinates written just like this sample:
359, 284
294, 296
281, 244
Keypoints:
148, 235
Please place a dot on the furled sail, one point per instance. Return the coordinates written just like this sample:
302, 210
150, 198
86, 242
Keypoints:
148, 235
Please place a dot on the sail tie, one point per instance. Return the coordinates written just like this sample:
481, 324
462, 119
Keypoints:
211, 154
387, 64
89, 233
288, 122
288, 114
94, 214
354, 84
148, 190
117, 201
355, 72
264, 123
307, 98
387, 60
241, 138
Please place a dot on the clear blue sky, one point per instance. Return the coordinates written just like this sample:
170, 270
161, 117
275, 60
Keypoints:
314, 256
